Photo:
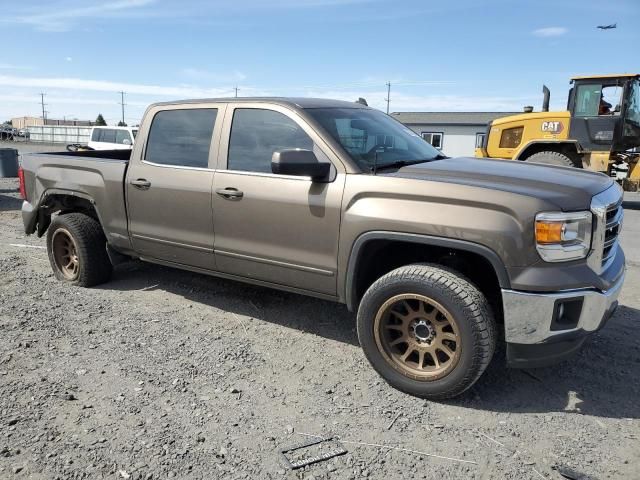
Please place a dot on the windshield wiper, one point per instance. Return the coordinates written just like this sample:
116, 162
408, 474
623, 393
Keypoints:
405, 163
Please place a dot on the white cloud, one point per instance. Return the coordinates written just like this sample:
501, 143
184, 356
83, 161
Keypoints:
69, 59
106, 86
84, 98
197, 74
64, 101
550, 32
62, 16
308, 3
9, 66
58, 19
441, 103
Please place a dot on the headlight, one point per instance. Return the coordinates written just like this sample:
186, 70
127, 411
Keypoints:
561, 237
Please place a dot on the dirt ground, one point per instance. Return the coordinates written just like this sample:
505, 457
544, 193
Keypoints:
168, 374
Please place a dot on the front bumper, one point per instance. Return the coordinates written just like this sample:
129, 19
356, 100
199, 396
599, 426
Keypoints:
535, 337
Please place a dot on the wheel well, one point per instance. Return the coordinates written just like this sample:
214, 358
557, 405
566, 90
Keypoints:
378, 257
60, 203
567, 148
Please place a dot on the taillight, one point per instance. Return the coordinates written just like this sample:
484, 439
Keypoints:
23, 189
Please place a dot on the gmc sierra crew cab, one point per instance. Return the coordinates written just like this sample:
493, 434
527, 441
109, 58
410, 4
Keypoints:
440, 257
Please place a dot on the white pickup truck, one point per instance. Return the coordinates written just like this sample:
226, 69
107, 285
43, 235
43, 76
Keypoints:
112, 138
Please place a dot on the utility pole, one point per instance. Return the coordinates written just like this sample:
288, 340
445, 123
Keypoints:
44, 113
122, 105
388, 99
236, 89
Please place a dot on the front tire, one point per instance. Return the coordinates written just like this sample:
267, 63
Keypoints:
426, 330
77, 250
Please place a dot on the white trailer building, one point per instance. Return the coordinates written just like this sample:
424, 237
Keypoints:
455, 133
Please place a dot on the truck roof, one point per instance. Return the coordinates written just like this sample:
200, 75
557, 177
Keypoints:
298, 102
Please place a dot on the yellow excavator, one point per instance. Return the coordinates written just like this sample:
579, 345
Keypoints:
600, 130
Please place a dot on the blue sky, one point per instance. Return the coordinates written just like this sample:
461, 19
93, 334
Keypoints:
453, 55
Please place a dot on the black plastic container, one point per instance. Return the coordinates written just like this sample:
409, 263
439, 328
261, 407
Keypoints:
8, 162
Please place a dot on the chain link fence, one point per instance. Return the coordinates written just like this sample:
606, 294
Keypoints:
59, 134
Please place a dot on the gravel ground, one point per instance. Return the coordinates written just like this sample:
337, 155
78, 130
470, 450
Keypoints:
162, 373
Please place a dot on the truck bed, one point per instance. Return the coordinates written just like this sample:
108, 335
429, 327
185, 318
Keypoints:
95, 175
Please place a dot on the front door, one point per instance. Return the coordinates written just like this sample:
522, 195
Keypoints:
276, 228
169, 187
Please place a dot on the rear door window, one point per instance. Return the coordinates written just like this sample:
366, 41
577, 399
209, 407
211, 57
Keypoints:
121, 136
257, 133
181, 137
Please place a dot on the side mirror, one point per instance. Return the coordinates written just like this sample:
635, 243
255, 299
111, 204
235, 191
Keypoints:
303, 163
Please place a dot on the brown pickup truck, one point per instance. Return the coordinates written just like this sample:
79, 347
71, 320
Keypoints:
440, 257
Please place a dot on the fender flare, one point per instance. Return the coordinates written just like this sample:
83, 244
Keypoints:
39, 217
62, 191
485, 252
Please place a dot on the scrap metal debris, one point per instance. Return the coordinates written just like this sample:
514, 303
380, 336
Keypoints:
312, 452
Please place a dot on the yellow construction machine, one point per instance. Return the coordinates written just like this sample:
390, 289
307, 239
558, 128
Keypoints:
600, 130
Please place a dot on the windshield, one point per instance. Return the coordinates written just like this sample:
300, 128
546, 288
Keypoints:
367, 134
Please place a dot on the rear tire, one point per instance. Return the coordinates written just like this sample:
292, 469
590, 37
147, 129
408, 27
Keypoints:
77, 250
554, 158
440, 316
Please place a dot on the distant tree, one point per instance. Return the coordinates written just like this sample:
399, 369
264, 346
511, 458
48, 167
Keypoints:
100, 120
122, 124
8, 122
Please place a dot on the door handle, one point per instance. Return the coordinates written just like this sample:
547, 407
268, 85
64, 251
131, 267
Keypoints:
141, 183
230, 193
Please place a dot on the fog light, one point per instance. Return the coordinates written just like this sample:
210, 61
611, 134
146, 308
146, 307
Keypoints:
566, 313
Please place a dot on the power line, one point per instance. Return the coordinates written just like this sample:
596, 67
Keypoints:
388, 99
44, 112
122, 104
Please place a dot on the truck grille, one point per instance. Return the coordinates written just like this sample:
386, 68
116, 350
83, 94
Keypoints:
612, 230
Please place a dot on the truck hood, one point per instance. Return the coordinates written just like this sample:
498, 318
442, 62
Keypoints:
568, 188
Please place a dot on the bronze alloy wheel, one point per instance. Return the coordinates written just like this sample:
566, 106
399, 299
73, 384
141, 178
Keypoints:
65, 254
417, 336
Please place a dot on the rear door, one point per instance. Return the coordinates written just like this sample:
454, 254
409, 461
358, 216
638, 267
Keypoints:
277, 228
169, 185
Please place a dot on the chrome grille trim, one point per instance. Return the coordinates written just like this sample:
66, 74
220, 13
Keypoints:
608, 215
